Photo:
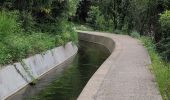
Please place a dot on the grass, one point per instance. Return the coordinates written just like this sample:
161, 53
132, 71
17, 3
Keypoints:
83, 27
160, 68
15, 44
86, 27
17, 47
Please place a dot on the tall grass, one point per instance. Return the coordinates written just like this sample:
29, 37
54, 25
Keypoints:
15, 44
8, 23
160, 68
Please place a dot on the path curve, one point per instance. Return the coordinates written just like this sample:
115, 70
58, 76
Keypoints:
125, 76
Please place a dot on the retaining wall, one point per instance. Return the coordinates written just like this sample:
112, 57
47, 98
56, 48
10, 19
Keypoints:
90, 90
16, 76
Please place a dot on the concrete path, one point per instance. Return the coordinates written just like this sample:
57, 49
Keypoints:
129, 77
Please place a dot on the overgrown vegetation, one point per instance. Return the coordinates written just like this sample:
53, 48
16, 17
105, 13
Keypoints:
30, 26
164, 44
160, 68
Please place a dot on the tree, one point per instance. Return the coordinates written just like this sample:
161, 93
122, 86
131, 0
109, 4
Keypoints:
164, 45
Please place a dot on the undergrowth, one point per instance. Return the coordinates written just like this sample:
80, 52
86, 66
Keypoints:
16, 44
159, 67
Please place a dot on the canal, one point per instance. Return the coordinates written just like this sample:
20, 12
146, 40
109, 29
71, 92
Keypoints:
66, 81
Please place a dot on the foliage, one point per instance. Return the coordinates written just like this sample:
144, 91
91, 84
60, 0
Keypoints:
97, 20
34, 26
160, 68
165, 23
82, 10
21, 46
135, 34
165, 42
36, 15
27, 21
73, 4
83, 27
127, 15
8, 24
124, 16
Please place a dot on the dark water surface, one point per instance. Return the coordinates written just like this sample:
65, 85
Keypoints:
67, 81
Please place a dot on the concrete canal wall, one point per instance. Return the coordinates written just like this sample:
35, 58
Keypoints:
92, 87
124, 75
16, 76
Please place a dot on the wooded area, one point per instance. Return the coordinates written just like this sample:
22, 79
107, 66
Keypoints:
28, 27
133, 17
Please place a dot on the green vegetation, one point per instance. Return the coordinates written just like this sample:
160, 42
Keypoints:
160, 68
147, 17
164, 44
135, 34
96, 20
30, 27
16, 44
49, 23
83, 27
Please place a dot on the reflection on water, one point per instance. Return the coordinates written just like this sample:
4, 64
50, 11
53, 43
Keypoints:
67, 82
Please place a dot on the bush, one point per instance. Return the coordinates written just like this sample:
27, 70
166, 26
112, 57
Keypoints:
97, 20
22, 46
135, 34
93, 14
28, 22
83, 27
5, 55
8, 24
164, 45
15, 45
160, 68
66, 31
148, 43
120, 32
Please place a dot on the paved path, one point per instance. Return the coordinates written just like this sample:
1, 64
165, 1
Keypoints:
129, 77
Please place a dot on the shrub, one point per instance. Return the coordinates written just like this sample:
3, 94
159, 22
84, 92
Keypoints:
22, 46
83, 27
15, 45
148, 43
164, 45
100, 23
8, 23
97, 20
92, 16
160, 68
120, 32
135, 34
73, 6
27, 21
65, 31
5, 55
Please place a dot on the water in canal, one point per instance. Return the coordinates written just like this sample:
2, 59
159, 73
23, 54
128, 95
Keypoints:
67, 82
